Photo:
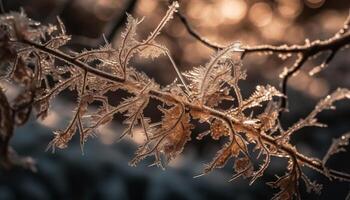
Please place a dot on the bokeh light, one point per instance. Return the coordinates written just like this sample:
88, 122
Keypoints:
289, 8
233, 10
260, 14
314, 3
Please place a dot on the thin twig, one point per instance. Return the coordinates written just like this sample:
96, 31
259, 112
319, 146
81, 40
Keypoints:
306, 51
195, 34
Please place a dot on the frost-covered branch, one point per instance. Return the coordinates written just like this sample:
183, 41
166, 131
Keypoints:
304, 52
93, 74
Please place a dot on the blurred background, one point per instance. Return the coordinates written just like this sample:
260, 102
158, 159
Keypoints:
103, 171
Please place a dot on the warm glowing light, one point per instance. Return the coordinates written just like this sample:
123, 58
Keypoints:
177, 30
311, 86
201, 53
178, 162
138, 136
195, 10
105, 9
331, 20
289, 8
146, 7
318, 88
108, 3
85, 4
233, 10
260, 14
51, 120
276, 29
11, 90
294, 34
314, 3
107, 135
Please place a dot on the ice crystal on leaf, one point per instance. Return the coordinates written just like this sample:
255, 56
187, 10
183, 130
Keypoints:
169, 138
207, 83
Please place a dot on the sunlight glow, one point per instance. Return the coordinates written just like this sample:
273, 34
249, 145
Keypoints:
260, 14
233, 10
52, 119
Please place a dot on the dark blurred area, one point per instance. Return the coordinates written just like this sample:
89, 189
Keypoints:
103, 171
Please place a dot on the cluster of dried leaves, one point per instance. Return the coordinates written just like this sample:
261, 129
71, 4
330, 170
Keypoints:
31, 54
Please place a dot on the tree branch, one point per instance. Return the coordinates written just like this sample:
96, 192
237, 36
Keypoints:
304, 52
168, 97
